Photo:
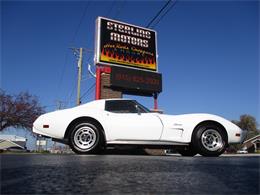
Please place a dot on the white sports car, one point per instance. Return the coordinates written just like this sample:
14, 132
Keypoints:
91, 127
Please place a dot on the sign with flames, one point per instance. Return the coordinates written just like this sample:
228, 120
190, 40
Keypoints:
122, 44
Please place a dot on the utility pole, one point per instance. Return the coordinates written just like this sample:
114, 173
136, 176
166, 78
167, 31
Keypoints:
78, 52
79, 74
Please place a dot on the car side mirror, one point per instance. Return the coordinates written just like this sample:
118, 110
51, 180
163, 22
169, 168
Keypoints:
138, 109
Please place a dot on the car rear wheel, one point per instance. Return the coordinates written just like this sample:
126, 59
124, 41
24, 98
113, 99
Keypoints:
209, 140
85, 138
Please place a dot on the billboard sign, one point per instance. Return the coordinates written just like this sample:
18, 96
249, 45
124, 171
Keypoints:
122, 44
132, 81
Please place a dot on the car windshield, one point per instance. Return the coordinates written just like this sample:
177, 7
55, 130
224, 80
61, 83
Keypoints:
125, 106
143, 108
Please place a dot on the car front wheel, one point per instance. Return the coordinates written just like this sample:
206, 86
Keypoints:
85, 138
209, 140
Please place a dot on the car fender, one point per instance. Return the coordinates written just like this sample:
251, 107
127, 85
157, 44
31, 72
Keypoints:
187, 123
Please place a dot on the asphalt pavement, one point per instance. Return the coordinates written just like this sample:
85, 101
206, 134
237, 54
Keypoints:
128, 174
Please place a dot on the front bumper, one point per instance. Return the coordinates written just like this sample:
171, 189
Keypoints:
243, 136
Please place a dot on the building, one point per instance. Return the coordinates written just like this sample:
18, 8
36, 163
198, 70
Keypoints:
252, 144
12, 142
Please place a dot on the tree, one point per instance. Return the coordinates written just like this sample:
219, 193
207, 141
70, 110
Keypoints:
247, 123
18, 111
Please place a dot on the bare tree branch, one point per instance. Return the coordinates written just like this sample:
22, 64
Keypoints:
18, 111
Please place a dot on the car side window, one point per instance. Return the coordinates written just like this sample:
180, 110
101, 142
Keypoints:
118, 106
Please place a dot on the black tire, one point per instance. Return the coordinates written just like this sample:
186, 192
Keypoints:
86, 138
186, 151
210, 140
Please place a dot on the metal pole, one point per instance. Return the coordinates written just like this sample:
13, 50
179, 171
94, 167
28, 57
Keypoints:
98, 82
36, 146
79, 74
155, 96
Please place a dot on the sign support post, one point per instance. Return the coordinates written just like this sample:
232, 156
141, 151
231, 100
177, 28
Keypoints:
98, 82
155, 97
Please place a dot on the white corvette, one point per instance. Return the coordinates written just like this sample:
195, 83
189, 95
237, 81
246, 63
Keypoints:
91, 127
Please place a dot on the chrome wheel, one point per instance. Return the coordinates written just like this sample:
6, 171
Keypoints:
212, 140
85, 137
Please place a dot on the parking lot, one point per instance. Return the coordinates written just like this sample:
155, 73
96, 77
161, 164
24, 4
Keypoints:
135, 174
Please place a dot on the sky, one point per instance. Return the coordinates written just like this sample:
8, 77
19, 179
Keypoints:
208, 52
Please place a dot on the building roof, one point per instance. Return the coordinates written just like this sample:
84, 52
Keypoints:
6, 144
13, 138
252, 139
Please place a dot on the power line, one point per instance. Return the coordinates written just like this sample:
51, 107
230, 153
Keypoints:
74, 87
88, 62
110, 9
90, 52
89, 90
119, 8
72, 42
162, 16
78, 52
63, 71
154, 18
80, 22
90, 94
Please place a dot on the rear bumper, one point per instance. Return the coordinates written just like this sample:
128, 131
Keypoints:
38, 132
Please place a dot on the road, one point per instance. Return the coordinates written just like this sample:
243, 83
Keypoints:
120, 174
